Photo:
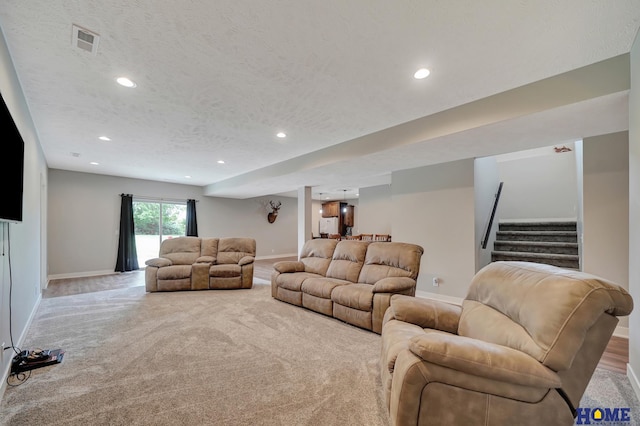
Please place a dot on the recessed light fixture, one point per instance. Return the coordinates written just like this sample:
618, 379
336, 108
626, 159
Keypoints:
93, 163
124, 81
188, 177
104, 138
281, 135
421, 73
220, 161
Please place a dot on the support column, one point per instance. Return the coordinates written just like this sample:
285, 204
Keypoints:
304, 216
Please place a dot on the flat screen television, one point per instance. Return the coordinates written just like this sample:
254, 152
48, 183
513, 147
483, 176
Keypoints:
12, 168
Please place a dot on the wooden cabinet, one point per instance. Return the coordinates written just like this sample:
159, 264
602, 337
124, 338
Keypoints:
342, 211
347, 216
331, 209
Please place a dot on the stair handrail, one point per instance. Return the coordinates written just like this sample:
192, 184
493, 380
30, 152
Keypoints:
485, 239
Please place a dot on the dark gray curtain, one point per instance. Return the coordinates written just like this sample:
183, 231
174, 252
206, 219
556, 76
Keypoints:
192, 223
127, 255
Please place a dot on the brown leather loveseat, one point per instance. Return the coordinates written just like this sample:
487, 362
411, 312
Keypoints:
192, 263
519, 351
350, 280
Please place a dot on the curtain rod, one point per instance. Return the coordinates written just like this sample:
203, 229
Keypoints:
150, 198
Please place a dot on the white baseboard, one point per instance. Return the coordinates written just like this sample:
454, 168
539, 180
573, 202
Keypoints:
82, 274
275, 256
441, 297
633, 378
621, 332
18, 344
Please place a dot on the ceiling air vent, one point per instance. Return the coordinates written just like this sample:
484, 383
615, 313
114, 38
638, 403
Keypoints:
85, 39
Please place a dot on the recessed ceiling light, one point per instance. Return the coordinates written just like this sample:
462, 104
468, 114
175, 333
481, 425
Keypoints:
281, 135
422, 73
93, 163
188, 177
220, 161
104, 138
124, 81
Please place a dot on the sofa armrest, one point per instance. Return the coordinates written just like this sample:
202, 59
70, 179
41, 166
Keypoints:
483, 359
425, 313
394, 285
286, 266
206, 259
246, 260
158, 262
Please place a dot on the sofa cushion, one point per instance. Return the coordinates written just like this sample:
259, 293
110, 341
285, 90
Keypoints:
181, 251
356, 296
347, 260
231, 250
390, 260
316, 255
321, 287
293, 281
209, 249
225, 271
174, 272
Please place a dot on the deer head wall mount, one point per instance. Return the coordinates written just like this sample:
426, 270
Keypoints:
271, 217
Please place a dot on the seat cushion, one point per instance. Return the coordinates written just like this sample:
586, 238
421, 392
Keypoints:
174, 272
225, 271
356, 296
321, 287
293, 281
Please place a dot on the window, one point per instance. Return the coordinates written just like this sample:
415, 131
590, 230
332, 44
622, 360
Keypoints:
152, 227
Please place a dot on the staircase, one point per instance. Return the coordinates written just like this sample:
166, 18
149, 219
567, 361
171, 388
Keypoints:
553, 243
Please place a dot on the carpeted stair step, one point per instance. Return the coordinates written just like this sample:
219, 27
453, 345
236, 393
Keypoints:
537, 247
538, 226
561, 260
549, 236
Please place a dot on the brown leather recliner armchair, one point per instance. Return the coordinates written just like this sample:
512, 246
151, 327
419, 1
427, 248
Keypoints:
520, 350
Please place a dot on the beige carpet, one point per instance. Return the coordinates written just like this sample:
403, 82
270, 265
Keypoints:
225, 357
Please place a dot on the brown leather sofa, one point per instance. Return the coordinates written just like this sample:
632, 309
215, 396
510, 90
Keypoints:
520, 350
192, 263
350, 280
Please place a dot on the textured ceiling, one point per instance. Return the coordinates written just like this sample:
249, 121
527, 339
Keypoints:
217, 81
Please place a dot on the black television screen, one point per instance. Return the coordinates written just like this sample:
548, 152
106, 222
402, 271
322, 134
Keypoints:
11, 177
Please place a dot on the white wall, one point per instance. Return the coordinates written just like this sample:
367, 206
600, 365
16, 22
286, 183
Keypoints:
539, 186
606, 208
634, 215
374, 211
84, 215
22, 243
433, 207
486, 181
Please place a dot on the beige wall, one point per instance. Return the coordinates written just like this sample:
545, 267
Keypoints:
542, 186
84, 215
23, 243
606, 208
634, 215
433, 206
374, 211
485, 186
